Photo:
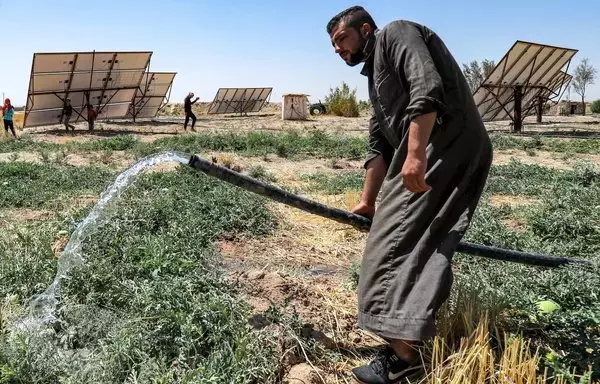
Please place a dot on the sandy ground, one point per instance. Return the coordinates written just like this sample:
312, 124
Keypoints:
571, 126
304, 266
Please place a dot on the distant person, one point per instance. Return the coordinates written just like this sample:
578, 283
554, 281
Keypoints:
429, 155
187, 107
67, 112
8, 112
92, 114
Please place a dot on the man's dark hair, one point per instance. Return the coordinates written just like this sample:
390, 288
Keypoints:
352, 17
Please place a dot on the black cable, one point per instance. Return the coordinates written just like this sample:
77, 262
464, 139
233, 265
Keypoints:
363, 223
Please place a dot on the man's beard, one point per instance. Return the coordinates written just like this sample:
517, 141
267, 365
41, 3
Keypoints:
359, 56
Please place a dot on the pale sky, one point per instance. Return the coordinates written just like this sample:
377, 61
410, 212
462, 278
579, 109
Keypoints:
279, 44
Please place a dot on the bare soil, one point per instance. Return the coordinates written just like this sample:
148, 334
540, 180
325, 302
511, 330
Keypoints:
511, 201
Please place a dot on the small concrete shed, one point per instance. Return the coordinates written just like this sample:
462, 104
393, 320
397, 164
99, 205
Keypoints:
295, 107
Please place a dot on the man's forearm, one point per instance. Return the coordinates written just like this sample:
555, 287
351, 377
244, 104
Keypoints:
376, 171
419, 132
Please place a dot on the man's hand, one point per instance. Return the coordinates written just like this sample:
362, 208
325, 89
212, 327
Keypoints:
415, 166
413, 172
364, 209
376, 170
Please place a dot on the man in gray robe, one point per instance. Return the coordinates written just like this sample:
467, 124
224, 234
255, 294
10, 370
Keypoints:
430, 151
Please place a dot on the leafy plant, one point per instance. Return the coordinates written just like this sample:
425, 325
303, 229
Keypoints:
150, 303
341, 101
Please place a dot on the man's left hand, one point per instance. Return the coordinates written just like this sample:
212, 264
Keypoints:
413, 172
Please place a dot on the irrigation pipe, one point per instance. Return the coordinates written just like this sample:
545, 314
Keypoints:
363, 223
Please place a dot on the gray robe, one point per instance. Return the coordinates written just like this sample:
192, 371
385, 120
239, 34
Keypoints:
406, 268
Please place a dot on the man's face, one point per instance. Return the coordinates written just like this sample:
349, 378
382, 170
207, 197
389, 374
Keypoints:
348, 41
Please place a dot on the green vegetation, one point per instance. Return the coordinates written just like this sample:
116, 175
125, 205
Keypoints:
150, 304
315, 143
595, 107
336, 183
571, 146
27, 185
292, 144
341, 101
116, 143
560, 218
260, 173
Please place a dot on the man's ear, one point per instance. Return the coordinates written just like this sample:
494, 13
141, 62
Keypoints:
366, 30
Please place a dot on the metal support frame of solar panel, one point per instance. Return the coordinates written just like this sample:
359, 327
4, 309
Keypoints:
108, 80
152, 95
527, 72
239, 100
554, 91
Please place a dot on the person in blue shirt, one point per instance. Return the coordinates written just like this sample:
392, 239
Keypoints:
8, 112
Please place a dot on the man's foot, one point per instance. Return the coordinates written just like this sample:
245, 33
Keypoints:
387, 368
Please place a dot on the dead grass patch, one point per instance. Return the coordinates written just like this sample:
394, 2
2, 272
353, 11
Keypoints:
25, 214
539, 158
515, 225
511, 201
302, 240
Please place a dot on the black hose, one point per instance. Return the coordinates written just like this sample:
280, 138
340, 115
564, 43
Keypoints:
361, 222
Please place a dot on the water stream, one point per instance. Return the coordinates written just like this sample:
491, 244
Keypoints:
42, 307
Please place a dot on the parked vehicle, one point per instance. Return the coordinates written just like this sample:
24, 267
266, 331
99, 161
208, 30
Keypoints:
317, 108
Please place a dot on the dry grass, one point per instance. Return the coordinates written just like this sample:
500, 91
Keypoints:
476, 361
302, 240
18, 118
500, 200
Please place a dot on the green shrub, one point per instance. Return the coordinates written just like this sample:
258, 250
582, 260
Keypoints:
341, 101
364, 105
595, 106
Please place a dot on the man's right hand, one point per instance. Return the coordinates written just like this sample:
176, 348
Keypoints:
376, 170
364, 209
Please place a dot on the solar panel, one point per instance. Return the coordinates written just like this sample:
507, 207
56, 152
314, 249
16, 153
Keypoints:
239, 100
528, 75
152, 94
89, 61
108, 80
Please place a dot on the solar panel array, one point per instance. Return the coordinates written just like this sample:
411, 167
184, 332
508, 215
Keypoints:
529, 72
151, 96
239, 100
110, 81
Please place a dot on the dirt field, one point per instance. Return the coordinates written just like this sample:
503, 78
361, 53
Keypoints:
305, 264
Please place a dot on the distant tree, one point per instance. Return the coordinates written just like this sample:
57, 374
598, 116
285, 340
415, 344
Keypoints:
477, 73
364, 105
341, 101
584, 75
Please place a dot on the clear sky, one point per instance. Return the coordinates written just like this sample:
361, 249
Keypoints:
282, 44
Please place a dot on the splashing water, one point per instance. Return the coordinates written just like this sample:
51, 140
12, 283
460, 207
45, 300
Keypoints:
42, 307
